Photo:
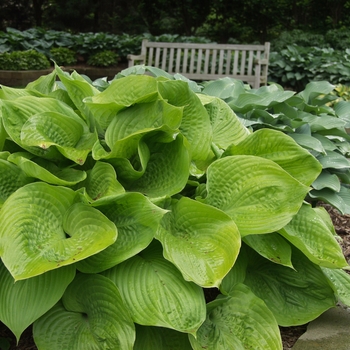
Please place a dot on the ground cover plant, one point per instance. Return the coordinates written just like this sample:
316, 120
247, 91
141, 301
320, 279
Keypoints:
126, 204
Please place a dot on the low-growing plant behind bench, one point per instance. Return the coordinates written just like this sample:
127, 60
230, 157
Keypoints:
211, 61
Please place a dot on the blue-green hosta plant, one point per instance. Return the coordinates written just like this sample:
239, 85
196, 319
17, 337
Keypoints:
316, 118
125, 205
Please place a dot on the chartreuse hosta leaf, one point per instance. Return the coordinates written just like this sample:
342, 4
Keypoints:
167, 169
91, 316
125, 131
227, 129
101, 185
240, 321
78, 89
11, 179
23, 302
122, 93
45, 170
309, 233
283, 150
156, 293
340, 282
295, 296
44, 84
137, 220
201, 241
151, 338
195, 125
255, 192
271, 246
15, 114
34, 223
68, 133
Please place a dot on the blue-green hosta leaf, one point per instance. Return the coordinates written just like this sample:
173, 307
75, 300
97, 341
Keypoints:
121, 93
315, 89
227, 128
11, 179
68, 133
339, 200
324, 122
15, 114
240, 321
101, 184
308, 142
295, 296
224, 88
46, 171
156, 293
23, 302
264, 97
200, 240
34, 223
136, 219
151, 338
281, 149
327, 144
167, 169
78, 89
342, 108
340, 282
255, 192
333, 160
271, 246
91, 316
327, 180
309, 233
195, 125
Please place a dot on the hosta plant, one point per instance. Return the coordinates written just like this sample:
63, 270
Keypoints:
124, 209
317, 118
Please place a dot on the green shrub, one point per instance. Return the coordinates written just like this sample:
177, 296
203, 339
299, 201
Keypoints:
23, 60
63, 56
132, 204
103, 59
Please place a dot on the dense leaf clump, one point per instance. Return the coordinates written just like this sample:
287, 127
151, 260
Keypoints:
124, 202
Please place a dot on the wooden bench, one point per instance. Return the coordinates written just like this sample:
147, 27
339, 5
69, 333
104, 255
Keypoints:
248, 63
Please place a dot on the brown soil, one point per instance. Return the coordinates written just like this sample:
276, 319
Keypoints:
289, 334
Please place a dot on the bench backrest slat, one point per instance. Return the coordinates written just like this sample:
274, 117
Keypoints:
208, 61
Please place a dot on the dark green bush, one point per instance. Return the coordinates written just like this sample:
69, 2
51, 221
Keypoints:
23, 60
103, 59
63, 56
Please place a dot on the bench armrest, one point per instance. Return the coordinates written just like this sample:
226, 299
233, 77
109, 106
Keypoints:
135, 58
261, 61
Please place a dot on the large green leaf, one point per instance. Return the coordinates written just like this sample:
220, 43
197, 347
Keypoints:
78, 89
137, 220
23, 302
68, 133
195, 125
91, 316
121, 93
255, 192
333, 160
34, 223
167, 169
200, 240
44, 84
227, 129
240, 321
280, 148
295, 296
327, 180
271, 246
15, 114
101, 185
151, 338
340, 282
156, 293
11, 179
45, 170
309, 233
